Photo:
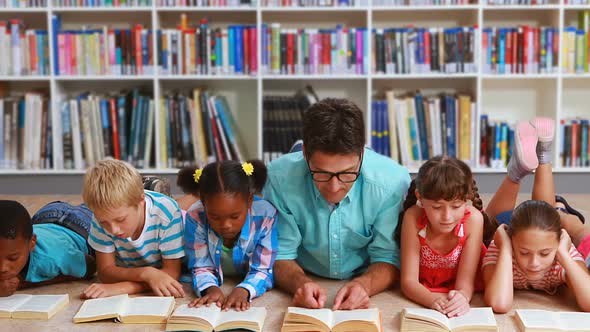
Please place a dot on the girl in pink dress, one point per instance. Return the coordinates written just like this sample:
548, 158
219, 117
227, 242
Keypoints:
442, 237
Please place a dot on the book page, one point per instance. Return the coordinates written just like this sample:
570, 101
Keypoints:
574, 321
107, 306
428, 313
532, 318
208, 314
42, 303
148, 306
475, 317
369, 315
323, 315
10, 303
254, 314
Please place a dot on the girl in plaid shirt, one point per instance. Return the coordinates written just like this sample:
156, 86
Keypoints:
230, 232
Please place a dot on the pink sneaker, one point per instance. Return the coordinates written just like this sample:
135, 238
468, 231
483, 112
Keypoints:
525, 147
545, 128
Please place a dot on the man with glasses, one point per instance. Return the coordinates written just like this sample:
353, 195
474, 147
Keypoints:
338, 206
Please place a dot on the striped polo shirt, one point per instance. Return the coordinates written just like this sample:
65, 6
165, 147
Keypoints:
161, 238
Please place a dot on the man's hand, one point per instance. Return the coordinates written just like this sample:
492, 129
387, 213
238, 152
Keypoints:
212, 295
352, 296
310, 295
162, 284
9, 286
238, 299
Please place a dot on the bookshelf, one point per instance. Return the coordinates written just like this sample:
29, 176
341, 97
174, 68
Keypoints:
503, 97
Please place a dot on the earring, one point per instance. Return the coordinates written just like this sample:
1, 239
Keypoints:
419, 204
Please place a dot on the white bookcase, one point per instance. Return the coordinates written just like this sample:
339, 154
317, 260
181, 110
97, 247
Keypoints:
502, 97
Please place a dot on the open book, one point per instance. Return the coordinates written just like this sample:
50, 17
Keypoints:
125, 309
419, 319
213, 319
326, 320
549, 321
27, 306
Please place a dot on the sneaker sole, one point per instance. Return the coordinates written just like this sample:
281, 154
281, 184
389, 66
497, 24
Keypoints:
545, 128
526, 144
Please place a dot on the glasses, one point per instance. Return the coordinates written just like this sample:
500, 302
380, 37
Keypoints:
345, 177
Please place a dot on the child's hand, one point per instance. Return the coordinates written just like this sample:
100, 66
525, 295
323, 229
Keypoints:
238, 299
213, 294
457, 305
97, 290
162, 284
502, 239
9, 286
439, 304
565, 243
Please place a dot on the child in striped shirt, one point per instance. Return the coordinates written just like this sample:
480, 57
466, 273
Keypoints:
137, 234
530, 249
230, 232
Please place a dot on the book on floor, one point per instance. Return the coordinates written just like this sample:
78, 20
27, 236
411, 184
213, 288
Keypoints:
211, 318
534, 320
326, 320
125, 309
25, 306
420, 319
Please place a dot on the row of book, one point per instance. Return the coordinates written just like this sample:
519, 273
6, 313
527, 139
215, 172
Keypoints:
94, 127
520, 50
421, 2
207, 3
424, 50
314, 3
23, 52
496, 138
518, 2
314, 51
283, 121
411, 128
575, 148
23, 3
105, 51
199, 128
102, 3
25, 132
204, 50
575, 45
577, 2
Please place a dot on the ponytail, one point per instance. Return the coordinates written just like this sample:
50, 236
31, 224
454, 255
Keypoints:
186, 181
258, 177
489, 225
410, 201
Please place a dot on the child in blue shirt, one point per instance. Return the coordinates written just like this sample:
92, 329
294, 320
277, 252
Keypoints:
229, 232
51, 247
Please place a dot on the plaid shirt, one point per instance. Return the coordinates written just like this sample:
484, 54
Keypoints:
253, 255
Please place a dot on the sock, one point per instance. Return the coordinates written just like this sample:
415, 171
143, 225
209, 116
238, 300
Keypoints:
545, 152
515, 171
545, 128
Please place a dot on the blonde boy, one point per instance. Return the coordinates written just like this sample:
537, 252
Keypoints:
137, 234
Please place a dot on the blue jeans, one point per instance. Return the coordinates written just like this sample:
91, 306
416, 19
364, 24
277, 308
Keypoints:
504, 217
76, 218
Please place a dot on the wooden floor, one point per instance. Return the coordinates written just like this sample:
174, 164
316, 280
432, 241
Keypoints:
390, 302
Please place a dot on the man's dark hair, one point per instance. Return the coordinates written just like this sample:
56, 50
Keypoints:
15, 221
333, 126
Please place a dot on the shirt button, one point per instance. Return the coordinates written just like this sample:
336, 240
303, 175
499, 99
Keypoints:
335, 273
217, 251
335, 235
335, 255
